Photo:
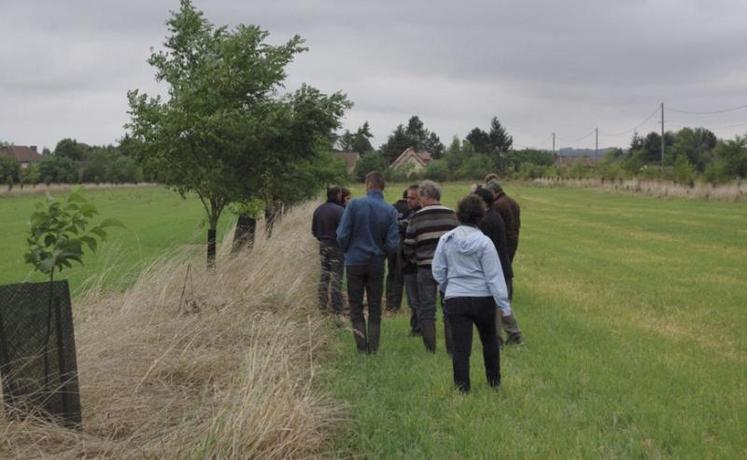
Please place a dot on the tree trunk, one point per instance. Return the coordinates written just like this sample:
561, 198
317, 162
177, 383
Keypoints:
243, 237
211, 249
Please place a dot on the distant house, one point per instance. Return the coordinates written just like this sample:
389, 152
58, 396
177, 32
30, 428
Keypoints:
22, 154
413, 159
350, 159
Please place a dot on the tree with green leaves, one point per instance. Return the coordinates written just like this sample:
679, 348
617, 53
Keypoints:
224, 131
58, 231
10, 171
72, 149
694, 144
358, 141
500, 141
480, 140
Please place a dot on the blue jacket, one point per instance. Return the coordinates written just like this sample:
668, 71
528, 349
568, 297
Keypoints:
466, 265
368, 229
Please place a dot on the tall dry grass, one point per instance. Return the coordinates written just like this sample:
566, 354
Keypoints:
734, 191
221, 369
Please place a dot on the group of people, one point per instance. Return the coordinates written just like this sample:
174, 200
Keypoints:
428, 251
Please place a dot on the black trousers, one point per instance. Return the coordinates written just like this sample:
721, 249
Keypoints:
330, 281
395, 282
462, 313
369, 279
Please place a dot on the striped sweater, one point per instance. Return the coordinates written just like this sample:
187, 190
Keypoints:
424, 231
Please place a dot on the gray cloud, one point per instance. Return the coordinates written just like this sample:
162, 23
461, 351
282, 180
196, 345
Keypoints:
540, 66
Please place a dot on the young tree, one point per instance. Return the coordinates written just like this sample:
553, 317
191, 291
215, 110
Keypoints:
223, 130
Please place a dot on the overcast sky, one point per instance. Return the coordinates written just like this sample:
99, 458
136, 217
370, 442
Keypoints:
540, 66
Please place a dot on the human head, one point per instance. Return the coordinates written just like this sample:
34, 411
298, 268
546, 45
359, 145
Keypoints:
411, 195
345, 196
491, 176
470, 210
334, 194
375, 181
494, 187
486, 195
429, 193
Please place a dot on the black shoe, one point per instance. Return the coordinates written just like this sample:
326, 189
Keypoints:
514, 340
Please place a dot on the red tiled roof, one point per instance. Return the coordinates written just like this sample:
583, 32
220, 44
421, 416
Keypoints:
21, 153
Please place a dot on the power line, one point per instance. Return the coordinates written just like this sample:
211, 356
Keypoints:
580, 138
712, 112
636, 126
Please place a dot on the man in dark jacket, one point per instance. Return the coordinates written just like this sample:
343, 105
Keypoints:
394, 278
324, 228
368, 232
510, 213
493, 227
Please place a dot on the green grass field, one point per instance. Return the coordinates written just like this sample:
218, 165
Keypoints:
633, 311
156, 220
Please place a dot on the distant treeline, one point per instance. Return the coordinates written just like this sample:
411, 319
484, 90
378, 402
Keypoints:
690, 154
75, 162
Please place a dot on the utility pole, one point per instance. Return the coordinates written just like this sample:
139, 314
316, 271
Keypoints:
596, 143
553, 143
662, 135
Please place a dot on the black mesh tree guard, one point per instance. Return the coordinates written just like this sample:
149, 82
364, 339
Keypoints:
38, 364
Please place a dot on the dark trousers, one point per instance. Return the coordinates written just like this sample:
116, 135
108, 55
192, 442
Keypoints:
368, 279
462, 313
394, 282
330, 281
413, 298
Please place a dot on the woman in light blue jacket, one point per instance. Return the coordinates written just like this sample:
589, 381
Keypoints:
468, 271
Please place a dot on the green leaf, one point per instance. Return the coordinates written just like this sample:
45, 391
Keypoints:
111, 223
101, 233
90, 242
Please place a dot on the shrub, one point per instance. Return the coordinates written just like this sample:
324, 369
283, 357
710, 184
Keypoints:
475, 167
370, 162
684, 172
437, 170
57, 169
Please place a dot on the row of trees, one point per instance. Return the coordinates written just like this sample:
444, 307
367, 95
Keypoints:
225, 132
74, 162
690, 154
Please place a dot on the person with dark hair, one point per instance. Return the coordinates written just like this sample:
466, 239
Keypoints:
367, 233
324, 228
510, 213
345, 196
394, 278
409, 268
423, 231
468, 271
493, 227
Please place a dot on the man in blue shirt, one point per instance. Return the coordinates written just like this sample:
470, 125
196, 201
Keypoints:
368, 232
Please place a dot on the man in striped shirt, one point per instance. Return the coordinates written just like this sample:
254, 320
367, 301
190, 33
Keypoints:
423, 232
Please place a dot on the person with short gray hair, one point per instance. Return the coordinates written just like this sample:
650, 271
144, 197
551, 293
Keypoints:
421, 239
430, 189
